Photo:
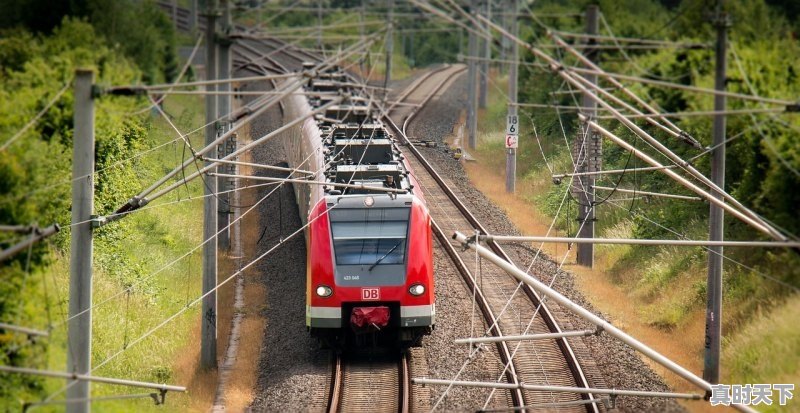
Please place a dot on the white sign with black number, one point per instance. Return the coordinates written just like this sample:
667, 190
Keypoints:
512, 125
512, 131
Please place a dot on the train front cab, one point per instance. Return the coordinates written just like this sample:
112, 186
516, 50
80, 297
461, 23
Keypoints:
370, 271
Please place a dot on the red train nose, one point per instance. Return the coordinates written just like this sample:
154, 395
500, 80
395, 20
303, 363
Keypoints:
365, 318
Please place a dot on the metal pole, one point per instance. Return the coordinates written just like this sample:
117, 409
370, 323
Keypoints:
208, 339
85, 378
589, 316
472, 86
716, 216
556, 177
675, 176
511, 153
37, 235
223, 112
79, 335
648, 193
311, 182
747, 215
486, 51
586, 152
24, 330
563, 389
637, 241
526, 337
389, 43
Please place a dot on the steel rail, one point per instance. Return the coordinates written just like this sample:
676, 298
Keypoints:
404, 379
335, 395
533, 296
482, 302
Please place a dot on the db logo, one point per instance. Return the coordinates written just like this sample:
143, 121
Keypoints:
370, 294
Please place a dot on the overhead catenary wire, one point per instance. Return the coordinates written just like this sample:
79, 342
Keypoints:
656, 194
494, 322
186, 254
199, 299
185, 67
155, 396
620, 76
594, 319
88, 377
742, 211
683, 181
626, 39
36, 235
249, 108
143, 279
24, 330
725, 257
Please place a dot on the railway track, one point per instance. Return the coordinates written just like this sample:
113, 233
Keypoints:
551, 362
370, 384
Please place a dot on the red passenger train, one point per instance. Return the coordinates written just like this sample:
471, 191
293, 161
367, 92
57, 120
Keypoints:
370, 249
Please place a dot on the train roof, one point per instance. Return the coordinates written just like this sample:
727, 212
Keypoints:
361, 155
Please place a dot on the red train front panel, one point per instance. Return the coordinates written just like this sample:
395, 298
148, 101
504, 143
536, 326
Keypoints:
370, 265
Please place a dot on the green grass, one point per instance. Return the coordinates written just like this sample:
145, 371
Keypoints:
767, 350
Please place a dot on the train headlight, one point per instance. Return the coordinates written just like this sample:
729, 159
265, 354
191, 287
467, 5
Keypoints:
417, 289
324, 291
369, 201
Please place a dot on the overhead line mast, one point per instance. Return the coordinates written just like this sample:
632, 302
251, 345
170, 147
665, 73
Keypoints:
716, 217
587, 152
513, 115
208, 334
79, 331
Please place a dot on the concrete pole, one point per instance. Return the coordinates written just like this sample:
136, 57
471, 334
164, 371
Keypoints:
192, 15
361, 13
319, 24
223, 110
587, 154
472, 86
389, 42
716, 216
486, 52
79, 333
208, 339
505, 44
511, 153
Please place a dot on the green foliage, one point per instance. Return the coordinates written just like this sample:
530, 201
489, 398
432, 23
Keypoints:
138, 28
35, 187
763, 157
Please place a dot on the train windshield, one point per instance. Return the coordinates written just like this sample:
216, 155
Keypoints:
370, 244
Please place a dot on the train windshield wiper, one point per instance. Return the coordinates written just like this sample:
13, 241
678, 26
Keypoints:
385, 255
